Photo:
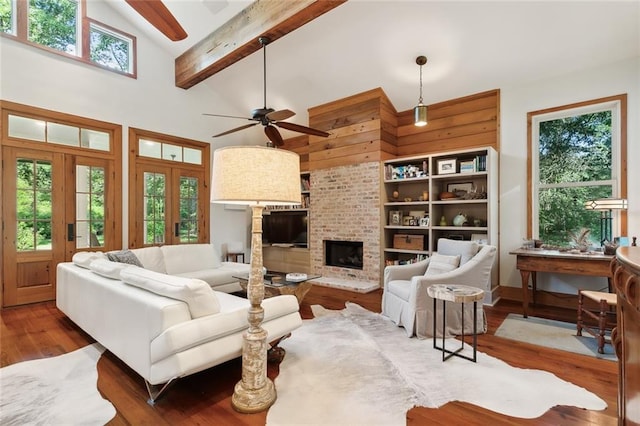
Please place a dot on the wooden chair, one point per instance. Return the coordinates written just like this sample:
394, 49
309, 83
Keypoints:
605, 302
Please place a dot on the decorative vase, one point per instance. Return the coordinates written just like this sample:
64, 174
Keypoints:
460, 220
443, 221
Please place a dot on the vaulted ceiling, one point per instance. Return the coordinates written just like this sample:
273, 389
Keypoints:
362, 44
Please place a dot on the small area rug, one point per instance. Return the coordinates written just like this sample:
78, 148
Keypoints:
60, 390
552, 334
355, 367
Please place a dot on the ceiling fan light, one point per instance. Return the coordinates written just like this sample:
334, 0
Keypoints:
420, 115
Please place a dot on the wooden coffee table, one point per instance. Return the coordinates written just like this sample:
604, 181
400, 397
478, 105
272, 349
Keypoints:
275, 284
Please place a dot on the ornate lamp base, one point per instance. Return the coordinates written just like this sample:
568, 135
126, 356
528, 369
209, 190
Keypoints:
251, 401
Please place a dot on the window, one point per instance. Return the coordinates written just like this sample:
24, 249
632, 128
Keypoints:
54, 23
6, 16
37, 130
577, 153
60, 26
110, 48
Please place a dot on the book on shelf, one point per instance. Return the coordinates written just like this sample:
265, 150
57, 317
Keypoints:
305, 184
480, 163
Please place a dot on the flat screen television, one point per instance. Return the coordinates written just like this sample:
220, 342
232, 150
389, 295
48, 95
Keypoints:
288, 227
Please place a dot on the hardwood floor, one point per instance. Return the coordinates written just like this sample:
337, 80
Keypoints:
40, 330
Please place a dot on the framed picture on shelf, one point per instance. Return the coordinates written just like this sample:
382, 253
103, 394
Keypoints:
460, 187
395, 218
424, 221
408, 221
446, 167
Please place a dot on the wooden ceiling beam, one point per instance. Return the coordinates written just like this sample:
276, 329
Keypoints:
238, 37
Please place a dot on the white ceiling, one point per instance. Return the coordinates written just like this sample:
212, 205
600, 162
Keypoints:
471, 47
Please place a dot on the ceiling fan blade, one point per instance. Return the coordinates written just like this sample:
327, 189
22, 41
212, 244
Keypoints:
246, 126
157, 14
274, 135
227, 116
282, 114
301, 129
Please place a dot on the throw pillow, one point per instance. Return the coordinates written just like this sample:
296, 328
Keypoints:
466, 249
84, 258
107, 268
440, 264
197, 294
124, 256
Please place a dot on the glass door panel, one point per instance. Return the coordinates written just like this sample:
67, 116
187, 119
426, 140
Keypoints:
188, 199
90, 206
155, 198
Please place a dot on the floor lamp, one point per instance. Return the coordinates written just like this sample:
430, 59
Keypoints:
256, 176
606, 207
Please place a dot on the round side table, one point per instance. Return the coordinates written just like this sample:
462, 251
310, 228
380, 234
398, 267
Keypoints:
455, 293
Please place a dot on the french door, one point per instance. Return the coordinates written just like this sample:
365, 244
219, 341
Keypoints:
53, 205
169, 205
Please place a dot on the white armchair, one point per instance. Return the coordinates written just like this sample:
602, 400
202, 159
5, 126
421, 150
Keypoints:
405, 300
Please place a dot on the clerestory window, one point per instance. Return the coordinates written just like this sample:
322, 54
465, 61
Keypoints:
61, 26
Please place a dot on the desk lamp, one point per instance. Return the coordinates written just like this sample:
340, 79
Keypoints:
255, 176
606, 207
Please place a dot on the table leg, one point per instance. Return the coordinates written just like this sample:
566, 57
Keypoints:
525, 291
434, 322
475, 330
444, 325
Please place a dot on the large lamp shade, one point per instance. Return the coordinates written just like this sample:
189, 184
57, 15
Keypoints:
255, 175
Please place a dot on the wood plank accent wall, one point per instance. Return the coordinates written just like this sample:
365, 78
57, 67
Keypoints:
468, 122
366, 127
362, 127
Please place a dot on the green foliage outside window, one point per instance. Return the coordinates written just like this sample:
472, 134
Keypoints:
53, 23
188, 210
574, 155
33, 205
109, 50
6, 15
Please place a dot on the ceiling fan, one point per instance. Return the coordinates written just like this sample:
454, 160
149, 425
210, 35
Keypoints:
269, 117
157, 14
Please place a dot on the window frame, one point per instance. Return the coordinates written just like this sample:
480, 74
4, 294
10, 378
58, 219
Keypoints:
618, 106
20, 20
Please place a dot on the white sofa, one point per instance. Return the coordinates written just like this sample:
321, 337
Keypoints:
200, 261
163, 327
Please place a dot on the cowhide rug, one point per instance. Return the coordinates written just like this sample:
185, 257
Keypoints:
355, 367
61, 390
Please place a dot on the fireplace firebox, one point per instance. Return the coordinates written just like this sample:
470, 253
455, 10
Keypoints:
344, 254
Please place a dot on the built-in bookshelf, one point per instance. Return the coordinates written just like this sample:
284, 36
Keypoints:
444, 195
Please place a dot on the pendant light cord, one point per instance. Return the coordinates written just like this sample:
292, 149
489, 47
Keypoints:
420, 99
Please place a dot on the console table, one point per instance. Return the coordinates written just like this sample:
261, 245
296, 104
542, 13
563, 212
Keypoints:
531, 261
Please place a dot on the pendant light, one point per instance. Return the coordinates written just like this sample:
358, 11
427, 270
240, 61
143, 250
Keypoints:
420, 111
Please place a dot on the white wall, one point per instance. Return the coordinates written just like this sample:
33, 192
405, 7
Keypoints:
515, 103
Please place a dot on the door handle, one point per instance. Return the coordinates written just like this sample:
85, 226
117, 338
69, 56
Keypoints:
176, 230
71, 236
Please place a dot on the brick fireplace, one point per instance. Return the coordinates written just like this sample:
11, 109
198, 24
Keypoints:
345, 206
